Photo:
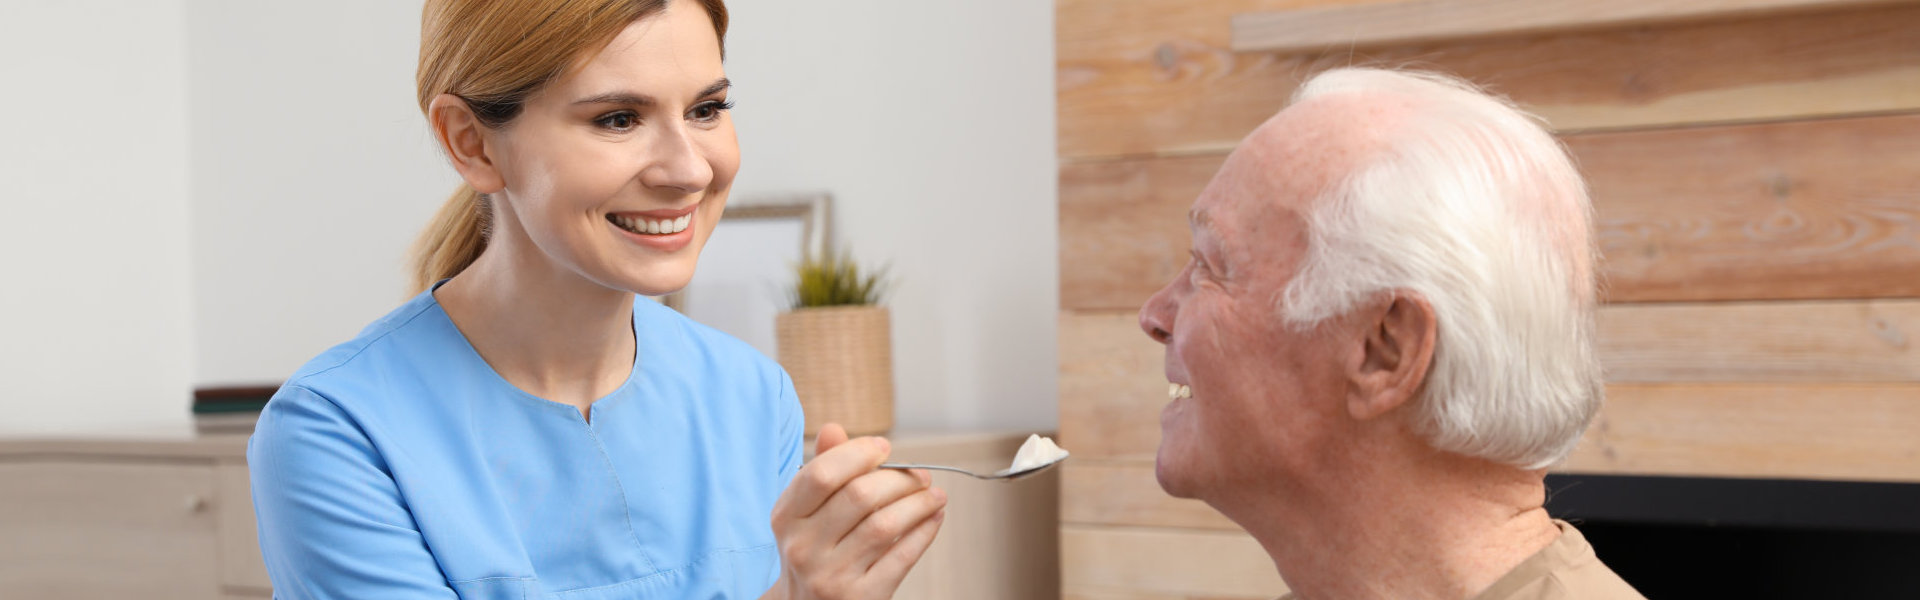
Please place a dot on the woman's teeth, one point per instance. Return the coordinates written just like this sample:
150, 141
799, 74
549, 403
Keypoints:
651, 226
1176, 391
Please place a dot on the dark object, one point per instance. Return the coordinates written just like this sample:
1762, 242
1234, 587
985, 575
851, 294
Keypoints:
1706, 537
232, 398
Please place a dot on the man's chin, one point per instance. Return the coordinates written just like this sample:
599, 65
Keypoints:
1172, 479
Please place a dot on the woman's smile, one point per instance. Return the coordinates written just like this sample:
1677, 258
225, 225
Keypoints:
661, 230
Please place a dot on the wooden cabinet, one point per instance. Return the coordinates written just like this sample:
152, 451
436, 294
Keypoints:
85, 523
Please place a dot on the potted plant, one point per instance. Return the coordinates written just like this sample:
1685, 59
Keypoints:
837, 345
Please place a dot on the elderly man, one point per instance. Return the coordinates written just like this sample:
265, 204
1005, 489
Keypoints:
1383, 338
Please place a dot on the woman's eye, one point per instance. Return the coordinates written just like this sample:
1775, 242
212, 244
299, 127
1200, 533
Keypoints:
707, 112
620, 121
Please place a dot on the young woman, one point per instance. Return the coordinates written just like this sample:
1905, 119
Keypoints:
525, 427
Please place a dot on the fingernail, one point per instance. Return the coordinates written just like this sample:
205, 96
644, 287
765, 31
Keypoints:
882, 445
939, 495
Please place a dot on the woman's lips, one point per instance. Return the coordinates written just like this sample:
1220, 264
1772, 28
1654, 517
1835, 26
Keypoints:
662, 230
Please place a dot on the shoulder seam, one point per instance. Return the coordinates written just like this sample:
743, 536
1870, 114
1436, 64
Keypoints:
363, 348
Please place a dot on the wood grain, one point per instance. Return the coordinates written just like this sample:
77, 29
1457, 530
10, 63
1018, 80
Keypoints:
1797, 431
1124, 492
1836, 341
1804, 210
1792, 431
241, 565
1156, 77
1821, 209
1098, 562
1123, 227
1420, 21
107, 531
1112, 387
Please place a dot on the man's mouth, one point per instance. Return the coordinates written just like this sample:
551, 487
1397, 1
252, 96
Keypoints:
1176, 391
646, 226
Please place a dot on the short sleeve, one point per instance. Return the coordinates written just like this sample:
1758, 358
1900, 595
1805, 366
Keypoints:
793, 431
332, 522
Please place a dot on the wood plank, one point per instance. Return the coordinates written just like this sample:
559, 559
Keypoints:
1124, 492
1804, 210
1822, 209
1112, 387
1100, 561
1123, 227
1422, 21
1836, 341
1796, 431
1157, 76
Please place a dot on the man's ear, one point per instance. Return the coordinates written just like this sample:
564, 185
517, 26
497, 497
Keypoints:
1397, 350
464, 139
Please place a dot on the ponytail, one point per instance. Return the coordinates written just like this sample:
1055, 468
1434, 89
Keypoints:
455, 238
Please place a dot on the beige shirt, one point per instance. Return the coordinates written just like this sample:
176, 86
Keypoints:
1565, 570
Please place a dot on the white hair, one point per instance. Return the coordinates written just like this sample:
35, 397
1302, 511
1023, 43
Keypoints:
1471, 204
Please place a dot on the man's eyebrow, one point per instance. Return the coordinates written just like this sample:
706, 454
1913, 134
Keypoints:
1199, 219
634, 99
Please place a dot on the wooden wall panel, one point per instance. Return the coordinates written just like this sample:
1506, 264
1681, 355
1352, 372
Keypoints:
1123, 226
1422, 21
1818, 209
1850, 341
1153, 77
1113, 387
1805, 210
1101, 561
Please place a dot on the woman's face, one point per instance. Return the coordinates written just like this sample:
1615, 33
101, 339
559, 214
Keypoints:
619, 170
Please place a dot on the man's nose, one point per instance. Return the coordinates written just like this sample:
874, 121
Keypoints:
1156, 316
677, 163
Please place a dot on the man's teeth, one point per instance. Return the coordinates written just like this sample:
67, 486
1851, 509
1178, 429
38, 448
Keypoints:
651, 226
1176, 391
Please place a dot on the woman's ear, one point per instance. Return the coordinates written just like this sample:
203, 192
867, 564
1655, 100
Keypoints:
464, 139
1398, 350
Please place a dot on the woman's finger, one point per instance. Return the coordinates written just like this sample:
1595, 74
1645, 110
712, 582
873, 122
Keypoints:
886, 573
831, 434
823, 476
859, 499
882, 530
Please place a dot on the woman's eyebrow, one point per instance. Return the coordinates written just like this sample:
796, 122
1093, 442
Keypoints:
636, 99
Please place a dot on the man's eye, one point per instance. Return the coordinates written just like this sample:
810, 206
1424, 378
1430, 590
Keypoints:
620, 121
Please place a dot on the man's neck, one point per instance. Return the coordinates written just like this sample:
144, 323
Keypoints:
1404, 525
543, 328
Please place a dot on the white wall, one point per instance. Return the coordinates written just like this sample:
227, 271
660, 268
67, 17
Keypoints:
312, 172
94, 271
932, 123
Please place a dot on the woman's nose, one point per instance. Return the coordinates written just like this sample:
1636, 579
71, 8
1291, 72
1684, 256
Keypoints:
677, 163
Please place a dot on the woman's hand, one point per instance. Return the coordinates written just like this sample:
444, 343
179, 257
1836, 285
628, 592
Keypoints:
847, 530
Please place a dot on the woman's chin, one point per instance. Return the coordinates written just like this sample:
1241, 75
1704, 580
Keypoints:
657, 279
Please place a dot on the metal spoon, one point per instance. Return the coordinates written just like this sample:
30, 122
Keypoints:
1003, 475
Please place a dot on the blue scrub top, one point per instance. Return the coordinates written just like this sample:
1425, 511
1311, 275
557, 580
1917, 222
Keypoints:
399, 465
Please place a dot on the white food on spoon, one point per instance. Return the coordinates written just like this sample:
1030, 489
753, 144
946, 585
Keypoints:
1038, 451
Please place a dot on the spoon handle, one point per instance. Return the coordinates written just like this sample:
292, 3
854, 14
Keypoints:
934, 467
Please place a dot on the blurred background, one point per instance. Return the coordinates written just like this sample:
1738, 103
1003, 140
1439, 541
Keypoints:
206, 193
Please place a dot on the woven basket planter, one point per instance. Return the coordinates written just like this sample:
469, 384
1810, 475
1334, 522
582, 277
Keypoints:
841, 361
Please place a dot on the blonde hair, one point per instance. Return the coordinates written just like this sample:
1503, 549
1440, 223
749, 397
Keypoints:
494, 54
